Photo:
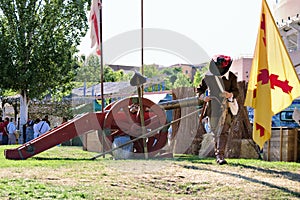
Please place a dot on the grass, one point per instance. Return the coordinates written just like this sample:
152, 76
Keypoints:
68, 173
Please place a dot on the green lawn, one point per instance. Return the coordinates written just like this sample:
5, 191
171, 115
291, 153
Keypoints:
69, 173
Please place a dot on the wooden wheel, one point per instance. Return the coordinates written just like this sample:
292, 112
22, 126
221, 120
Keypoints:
120, 121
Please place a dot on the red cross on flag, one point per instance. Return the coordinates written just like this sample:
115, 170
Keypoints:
273, 82
95, 27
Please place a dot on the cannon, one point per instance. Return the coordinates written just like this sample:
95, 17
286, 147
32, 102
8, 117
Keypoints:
120, 121
147, 127
116, 119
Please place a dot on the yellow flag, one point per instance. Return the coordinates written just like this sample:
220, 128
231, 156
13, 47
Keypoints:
273, 83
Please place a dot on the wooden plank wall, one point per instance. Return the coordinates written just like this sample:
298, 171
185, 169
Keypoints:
187, 134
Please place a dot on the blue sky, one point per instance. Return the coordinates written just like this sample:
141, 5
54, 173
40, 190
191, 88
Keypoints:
218, 26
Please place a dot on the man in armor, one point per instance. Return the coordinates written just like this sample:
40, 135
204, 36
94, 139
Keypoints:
218, 88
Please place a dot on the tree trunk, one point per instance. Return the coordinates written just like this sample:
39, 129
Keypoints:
23, 113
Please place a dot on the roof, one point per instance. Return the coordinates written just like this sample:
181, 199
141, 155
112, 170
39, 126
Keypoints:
109, 88
122, 88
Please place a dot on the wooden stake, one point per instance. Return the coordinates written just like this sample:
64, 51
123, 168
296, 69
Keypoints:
269, 149
295, 145
280, 148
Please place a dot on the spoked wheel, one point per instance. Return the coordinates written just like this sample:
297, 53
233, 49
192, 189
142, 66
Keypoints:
120, 121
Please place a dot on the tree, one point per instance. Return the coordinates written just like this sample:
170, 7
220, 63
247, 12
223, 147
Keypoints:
198, 78
151, 71
38, 39
172, 76
89, 71
182, 81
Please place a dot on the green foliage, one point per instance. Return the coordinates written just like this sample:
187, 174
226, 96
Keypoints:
199, 76
172, 76
171, 71
9, 93
89, 70
37, 42
151, 71
182, 81
109, 75
126, 76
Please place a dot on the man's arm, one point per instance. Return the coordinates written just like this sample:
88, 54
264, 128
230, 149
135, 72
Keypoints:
234, 86
201, 89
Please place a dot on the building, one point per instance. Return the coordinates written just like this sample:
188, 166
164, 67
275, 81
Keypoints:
241, 67
125, 68
286, 15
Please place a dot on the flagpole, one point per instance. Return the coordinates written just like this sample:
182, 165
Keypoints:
142, 36
101, 55
101, 74
141, 87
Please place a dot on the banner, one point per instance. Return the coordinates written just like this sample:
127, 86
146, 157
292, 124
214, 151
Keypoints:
95, 26
273, 82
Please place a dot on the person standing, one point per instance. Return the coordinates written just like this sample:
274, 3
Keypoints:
46, 119
40, 128
207, 125
3, 129
64, 120
11, 130
35, 128
221, 86
29, 130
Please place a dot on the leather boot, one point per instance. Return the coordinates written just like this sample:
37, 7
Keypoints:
220, 146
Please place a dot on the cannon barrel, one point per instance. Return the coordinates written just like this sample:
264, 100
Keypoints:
180, 103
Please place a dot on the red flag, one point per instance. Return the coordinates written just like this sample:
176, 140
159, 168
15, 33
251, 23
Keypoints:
95, 28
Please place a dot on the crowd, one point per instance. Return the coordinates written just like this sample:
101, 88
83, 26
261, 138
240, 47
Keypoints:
9, 130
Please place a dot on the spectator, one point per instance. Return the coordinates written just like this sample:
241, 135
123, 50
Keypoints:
40, 127
46, 119
64, 120
35, 130
11, 129
29, 130
207, 125
3, 129
1, 132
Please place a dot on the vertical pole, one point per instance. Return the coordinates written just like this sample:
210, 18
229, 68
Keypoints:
142, 37
295, 144
142, 117
141, 88
269, 149
101, 76
84, 88
281, 141
101, 54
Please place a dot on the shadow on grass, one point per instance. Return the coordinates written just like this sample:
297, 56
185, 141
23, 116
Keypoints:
284, 189
286, 174
61, 159
194, 159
